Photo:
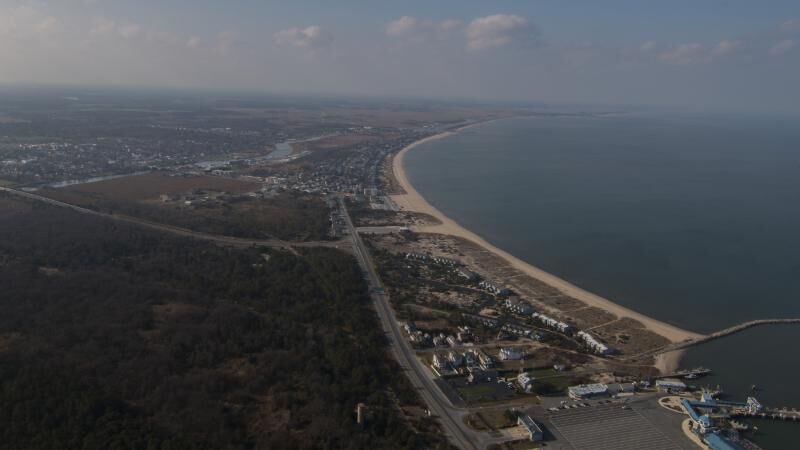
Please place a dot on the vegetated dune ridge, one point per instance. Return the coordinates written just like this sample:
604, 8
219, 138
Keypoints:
411, 200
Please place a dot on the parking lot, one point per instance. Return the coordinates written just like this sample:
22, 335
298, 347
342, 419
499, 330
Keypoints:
609, 427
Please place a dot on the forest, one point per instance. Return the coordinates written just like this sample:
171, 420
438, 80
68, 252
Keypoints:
117, 337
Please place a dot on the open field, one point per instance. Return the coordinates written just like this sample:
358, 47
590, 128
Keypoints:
201, 203
332, 143
490, 419
146, 187
485, 392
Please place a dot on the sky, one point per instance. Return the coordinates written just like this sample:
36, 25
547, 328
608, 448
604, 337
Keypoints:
738, 55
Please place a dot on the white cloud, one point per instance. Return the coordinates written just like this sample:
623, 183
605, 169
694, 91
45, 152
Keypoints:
782, 47
449, 24
47, 25
726, 47
648, 46
102, 26
791, 25
225, 41
309, 37
26, 22
105, 27
684, 54
194, 42
402, 26
497, 30
129, 30
420, 30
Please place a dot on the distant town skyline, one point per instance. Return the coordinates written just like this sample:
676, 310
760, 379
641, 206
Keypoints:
733, 55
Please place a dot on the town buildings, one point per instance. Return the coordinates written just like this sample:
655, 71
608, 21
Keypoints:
593, 343
585, 391
534, 431
512, 354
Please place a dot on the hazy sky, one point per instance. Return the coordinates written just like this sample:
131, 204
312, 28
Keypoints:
732, 54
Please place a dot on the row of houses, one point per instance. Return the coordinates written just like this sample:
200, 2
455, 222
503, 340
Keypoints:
416, 336
519, 330
594, 345
452, 361
518, 306
488, 322
493, 288
552, 323
435, 259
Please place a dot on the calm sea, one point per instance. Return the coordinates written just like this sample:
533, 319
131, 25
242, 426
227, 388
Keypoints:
693, 219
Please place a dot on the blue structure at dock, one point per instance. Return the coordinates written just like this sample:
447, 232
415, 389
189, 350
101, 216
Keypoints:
703, 424
717, 442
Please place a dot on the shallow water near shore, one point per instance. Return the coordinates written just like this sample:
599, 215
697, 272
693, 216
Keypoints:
691, 219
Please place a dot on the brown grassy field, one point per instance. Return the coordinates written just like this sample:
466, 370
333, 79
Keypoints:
287, 216
146, 187
333, 143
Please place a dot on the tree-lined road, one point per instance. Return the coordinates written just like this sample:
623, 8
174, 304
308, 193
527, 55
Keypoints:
451, 418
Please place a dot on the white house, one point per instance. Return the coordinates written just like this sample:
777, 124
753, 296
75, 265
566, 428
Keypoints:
512, 354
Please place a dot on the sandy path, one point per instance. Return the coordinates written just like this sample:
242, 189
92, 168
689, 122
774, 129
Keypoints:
413, 201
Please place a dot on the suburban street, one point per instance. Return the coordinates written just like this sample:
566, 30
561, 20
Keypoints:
449, 416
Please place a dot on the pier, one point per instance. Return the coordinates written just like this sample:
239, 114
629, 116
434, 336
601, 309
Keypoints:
690, 373
784, 414
719, 334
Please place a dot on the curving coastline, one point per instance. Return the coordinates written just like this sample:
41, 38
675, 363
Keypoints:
411, 200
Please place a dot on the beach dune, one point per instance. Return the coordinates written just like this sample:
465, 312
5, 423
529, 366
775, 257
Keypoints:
411, 200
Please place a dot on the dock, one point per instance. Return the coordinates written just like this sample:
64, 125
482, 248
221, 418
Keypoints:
688, 373
784, 414
718, 334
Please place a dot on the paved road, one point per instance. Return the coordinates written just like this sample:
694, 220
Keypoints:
227, 240
450, 416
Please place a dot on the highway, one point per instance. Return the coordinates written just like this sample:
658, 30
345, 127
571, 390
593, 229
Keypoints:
421, 378
221, 239
450, 417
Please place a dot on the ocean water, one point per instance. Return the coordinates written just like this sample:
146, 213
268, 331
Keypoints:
692, 219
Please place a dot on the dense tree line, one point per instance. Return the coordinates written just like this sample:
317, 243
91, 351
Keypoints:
116, 337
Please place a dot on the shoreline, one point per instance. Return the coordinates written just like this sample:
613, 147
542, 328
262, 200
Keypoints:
412, 200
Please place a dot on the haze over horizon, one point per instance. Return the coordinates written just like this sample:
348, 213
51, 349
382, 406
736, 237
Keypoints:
731, 55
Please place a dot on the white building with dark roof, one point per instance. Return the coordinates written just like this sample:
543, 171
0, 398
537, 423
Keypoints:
518, 306
552, 323
512, 354
535, 432
584, 391
593, 343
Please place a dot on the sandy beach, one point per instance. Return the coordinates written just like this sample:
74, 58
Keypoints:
413, 201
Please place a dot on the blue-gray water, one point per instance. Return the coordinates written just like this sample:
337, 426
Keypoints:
694, 220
